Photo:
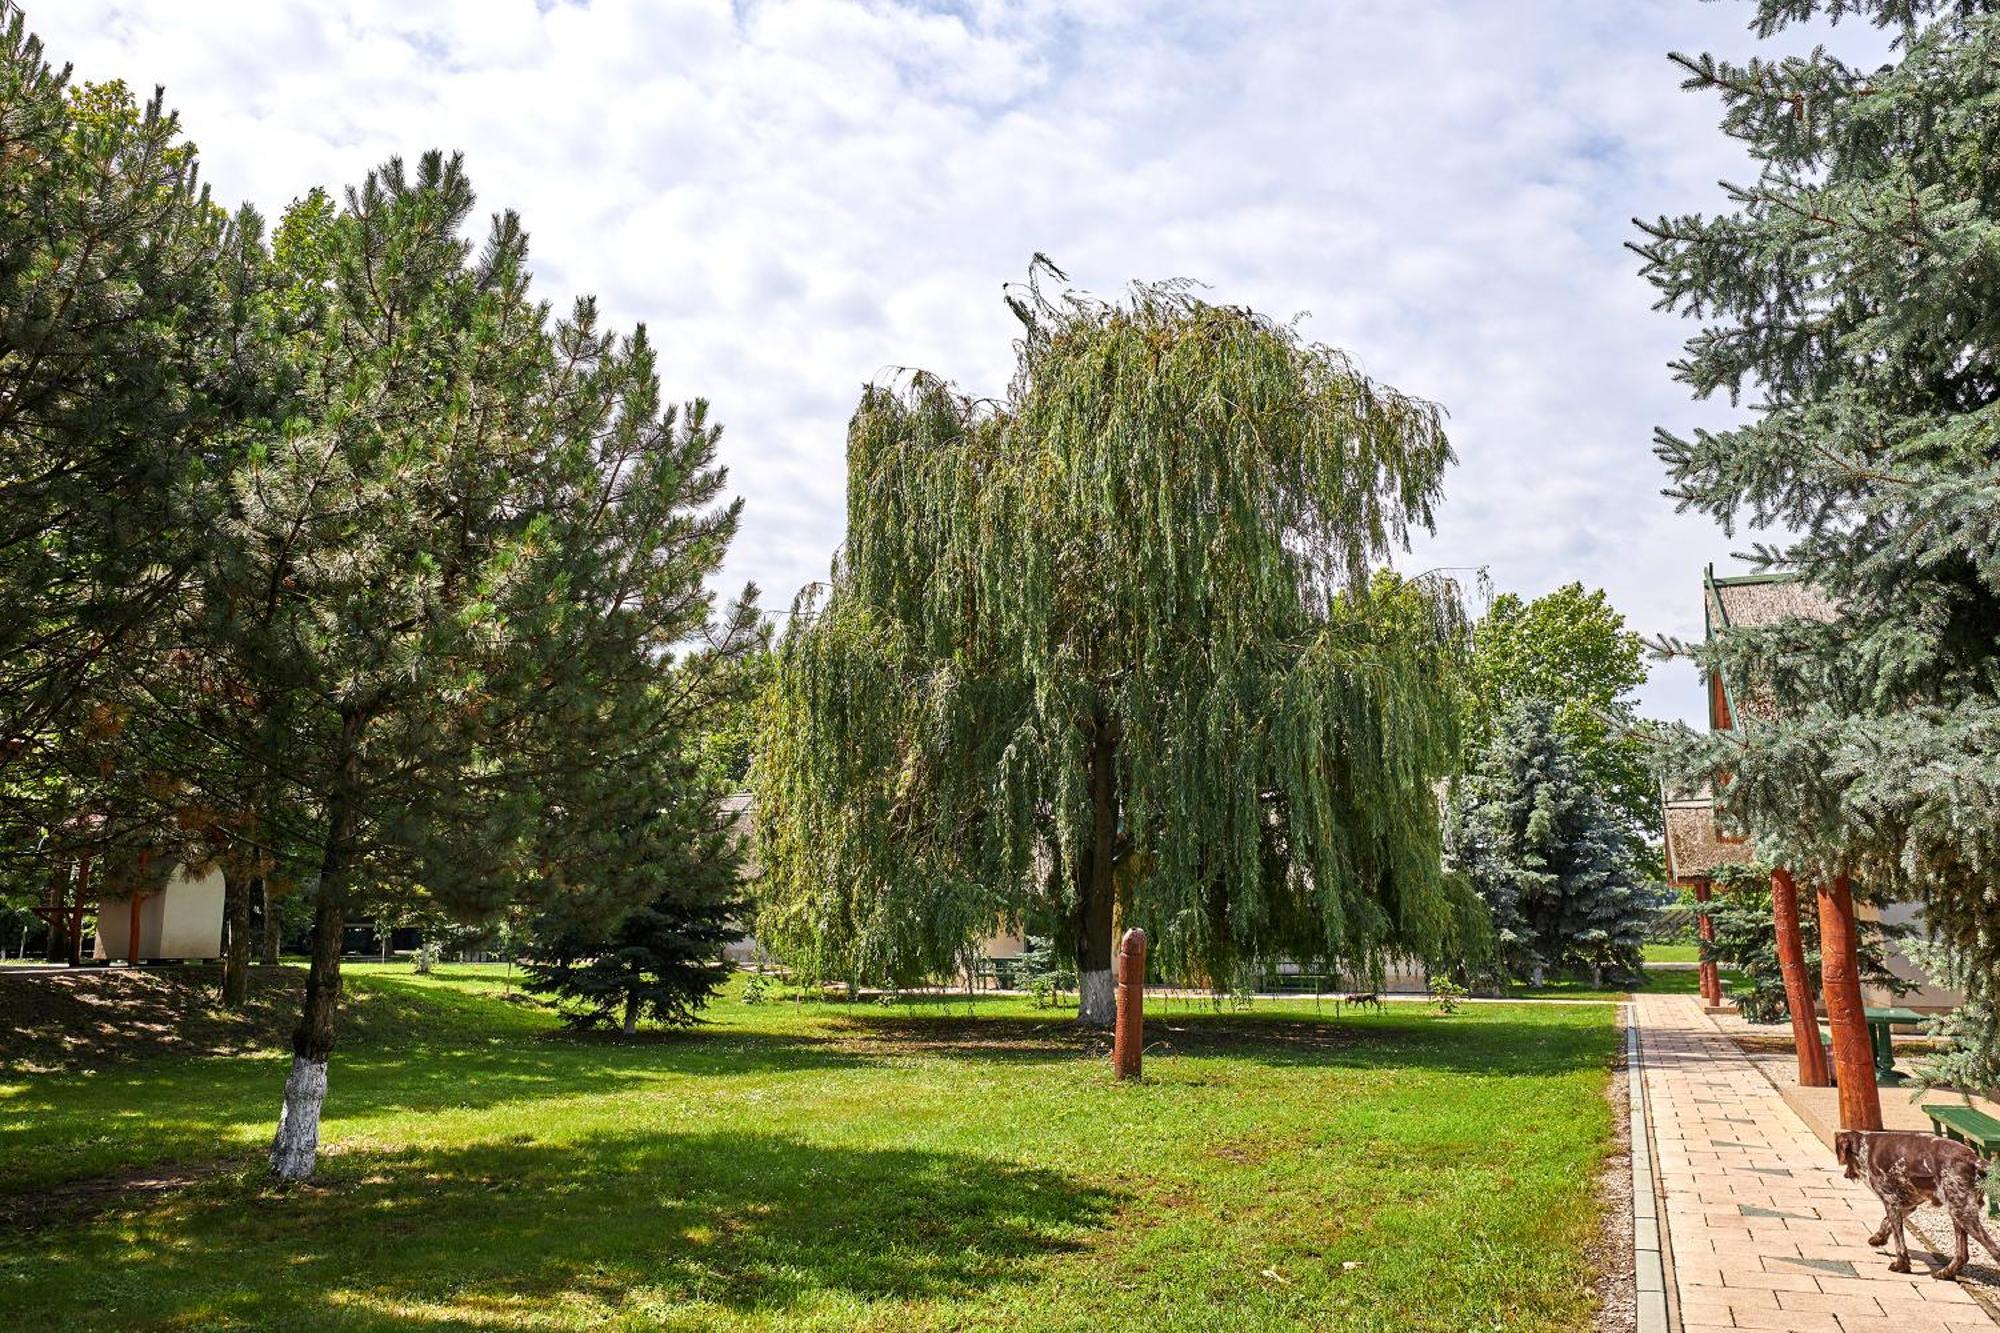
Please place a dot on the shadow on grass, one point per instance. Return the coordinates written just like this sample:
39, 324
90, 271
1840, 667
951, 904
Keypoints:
1470, 1042
636, 1224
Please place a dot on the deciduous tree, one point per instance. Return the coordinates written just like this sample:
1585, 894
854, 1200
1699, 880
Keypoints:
1116, 645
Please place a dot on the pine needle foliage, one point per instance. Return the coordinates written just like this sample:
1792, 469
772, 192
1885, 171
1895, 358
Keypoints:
1117, 638
1552, 861
118, 369
1852, 287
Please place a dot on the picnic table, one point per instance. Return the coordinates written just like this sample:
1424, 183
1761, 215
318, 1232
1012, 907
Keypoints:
1879, 1022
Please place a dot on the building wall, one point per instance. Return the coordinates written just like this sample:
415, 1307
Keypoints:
183, 920
1926, 996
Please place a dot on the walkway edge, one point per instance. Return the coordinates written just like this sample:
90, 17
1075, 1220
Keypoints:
1649, 1240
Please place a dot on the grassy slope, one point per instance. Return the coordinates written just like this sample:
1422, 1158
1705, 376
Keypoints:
827, 1166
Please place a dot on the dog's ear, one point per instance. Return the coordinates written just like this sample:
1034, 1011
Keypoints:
1846, 1147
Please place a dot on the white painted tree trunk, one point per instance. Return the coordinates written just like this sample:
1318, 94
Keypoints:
296, 1149
1536, 978
1097, 999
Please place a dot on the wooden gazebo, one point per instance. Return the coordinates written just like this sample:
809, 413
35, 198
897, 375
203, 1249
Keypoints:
1697, 848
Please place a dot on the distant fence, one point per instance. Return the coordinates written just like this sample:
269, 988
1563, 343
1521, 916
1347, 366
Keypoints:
1674, 925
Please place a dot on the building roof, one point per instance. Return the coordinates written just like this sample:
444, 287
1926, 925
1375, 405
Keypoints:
1696, 848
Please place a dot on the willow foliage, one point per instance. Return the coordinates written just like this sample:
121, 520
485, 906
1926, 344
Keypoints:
1118, 638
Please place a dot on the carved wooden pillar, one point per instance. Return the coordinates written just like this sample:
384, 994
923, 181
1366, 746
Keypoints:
1840, 982
1711, 979
1798, 985
1129, 1038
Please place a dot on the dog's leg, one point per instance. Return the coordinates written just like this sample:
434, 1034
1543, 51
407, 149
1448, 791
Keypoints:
1951, 1270
1897, 1212
1965, 1200
1881, 1236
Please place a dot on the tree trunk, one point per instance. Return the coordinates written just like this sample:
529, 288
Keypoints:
274, 930
1096, 992
1840, 982
1535, 977
295, 1150
631, 1012
236, 959
1798, 985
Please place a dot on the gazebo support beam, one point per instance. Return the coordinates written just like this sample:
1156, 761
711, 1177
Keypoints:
1711, 979
1798, 986
1840, 982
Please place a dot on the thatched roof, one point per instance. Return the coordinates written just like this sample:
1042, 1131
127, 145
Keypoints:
1763, 599
1695, 846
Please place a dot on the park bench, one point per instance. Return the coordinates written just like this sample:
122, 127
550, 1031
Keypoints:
1976, 1129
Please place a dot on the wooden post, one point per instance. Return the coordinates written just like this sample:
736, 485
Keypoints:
1798, 986
1129, 1038
1840, 982
1711, 979
76, 914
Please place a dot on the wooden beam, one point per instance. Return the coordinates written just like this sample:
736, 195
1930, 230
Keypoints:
1798, 985
1711, 979
1840, 981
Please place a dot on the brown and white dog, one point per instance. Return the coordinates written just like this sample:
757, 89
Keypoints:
1906, 1169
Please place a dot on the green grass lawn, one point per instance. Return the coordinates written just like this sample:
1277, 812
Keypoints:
1673, 953
924, 1166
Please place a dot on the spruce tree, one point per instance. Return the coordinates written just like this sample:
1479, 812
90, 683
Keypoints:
1850, 288
1746, 940
1115, 645
1552, 862
661, 959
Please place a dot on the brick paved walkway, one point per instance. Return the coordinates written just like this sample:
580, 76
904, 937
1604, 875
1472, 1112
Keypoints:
1763, 1230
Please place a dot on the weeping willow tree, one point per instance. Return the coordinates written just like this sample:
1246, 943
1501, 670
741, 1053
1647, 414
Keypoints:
1117, 645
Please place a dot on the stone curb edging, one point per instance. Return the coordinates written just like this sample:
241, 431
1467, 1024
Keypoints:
1649, 1239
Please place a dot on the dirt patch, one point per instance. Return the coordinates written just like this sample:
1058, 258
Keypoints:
1610, 1252
78, 1199
93, 1017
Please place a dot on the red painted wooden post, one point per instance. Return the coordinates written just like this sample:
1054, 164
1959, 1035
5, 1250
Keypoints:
1798, 987
1840, 982
1711, 980
1129, 1037
132, 941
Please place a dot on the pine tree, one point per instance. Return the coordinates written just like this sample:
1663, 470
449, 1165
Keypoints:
121, 333
1114, 645
1852, 287
1551, 861
454, 593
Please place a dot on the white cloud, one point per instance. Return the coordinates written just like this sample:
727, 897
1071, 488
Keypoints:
799, 194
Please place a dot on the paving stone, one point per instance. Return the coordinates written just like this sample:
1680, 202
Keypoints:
1762, 1229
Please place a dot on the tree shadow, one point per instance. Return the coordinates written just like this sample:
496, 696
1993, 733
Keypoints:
463, 1237
1467, 1043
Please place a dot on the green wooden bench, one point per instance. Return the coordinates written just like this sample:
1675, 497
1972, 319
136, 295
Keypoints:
1976, 1129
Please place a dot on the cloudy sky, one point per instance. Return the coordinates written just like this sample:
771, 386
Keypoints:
801, 195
